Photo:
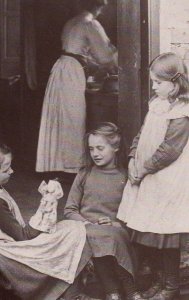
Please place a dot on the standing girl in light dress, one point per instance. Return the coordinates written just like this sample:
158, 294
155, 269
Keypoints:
155, 203
94, 199
63, 119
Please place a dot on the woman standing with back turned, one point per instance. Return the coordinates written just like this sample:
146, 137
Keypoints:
84, 41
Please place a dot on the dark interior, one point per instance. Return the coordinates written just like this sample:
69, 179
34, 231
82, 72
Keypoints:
41, 23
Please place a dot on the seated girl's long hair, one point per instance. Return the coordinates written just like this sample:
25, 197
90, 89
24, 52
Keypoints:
114, 137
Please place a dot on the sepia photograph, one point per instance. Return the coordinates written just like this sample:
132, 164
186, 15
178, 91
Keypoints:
94, 142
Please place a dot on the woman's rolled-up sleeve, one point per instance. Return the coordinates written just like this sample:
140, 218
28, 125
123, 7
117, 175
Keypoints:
100, 46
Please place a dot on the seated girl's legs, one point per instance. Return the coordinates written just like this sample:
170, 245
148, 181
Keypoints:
115, 278
127, 282
73, 290
105, 269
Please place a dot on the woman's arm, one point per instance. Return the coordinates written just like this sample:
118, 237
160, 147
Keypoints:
171, 148
10, 226
72, 208
100, 46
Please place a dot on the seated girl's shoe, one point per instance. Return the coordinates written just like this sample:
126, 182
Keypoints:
167, 295
152, 291
136, 296
85, 297
114, 296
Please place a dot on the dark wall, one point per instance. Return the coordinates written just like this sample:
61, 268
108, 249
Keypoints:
10, 114
109, 20
50, 17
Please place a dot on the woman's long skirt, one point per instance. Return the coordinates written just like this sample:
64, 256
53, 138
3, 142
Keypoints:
62, 129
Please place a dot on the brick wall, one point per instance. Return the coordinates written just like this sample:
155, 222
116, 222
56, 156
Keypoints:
174, 27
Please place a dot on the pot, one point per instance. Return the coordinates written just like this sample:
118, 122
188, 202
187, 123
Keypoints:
111, 84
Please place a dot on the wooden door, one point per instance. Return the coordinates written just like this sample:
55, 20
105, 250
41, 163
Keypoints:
129, 46
9, 38
138, 41
10, 73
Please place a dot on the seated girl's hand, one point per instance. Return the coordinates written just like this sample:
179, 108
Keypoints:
87, 222
116, 224
104, 221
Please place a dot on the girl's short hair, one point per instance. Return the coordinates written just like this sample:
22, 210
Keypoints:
170, 67
90, 5
114, 137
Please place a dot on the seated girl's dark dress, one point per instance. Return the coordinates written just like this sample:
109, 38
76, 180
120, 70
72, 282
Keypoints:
98, 194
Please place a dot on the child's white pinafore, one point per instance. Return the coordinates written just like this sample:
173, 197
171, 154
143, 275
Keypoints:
160, 204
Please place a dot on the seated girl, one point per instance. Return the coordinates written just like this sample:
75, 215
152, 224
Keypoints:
94, 200
12, 225
38, 260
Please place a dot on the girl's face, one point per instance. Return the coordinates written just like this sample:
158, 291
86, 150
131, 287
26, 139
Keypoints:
162, 88
5, 167
102, 153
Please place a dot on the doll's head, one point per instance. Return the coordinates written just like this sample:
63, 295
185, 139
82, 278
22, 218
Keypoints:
5, 164
169, 69
104, 147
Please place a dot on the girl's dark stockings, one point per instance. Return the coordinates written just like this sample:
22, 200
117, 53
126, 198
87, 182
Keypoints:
113, 277
171, 263
105, 269
127, 282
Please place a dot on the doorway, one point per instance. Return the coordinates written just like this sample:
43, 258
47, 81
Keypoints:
43, 21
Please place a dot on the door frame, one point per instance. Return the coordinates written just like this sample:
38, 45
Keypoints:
138, 44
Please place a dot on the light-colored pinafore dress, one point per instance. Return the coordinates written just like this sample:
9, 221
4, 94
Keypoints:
160, 204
